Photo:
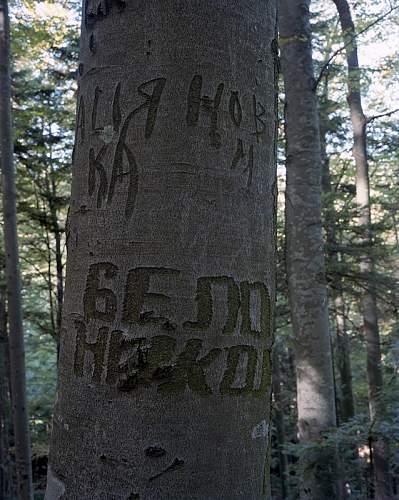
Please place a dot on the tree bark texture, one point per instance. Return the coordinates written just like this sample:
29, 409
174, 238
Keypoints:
164, 372
305, 251
383, 481
16, 336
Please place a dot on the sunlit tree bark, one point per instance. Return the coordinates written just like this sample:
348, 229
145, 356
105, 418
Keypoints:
164, 372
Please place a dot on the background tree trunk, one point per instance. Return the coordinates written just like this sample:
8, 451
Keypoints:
279, 423
343, 361
305, 254
16, 337
164, 372
5, 407
58, 256
346, 406
57, 234
368, 303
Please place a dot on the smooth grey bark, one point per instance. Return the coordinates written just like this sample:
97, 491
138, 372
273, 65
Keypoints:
164, 371
305, 253
16, 336
383, 480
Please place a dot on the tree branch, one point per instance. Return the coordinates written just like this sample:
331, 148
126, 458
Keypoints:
343, 47
376, 117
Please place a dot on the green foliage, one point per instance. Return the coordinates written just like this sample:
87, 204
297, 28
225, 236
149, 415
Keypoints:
44, 50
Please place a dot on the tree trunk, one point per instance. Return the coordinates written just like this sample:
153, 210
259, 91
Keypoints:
16, 337
346, 399
164, 371
305, 255
369, 303
346, 406
56, 231
5, 463
58, 257
279, 423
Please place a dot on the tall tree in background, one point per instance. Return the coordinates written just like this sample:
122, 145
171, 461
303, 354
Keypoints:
5, 462
44, 175
345, 398
305, 253
369, 300
43, 97
16, 337
278, 414
164, 378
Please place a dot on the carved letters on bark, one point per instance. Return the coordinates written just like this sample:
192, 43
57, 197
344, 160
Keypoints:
200, 108
130, 342
129, 360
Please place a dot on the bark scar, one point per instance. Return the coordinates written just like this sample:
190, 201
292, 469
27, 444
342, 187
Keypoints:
176, 464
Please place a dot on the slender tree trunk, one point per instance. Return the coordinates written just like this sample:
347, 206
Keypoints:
56, 230
164, 372
369, 303
50, 285
16, 337
305, 254
5, 463
342, 358
53, 228
346, 400
279, 423
58, 259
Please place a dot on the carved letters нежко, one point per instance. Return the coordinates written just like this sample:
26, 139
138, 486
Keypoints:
142, 362
130, 361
